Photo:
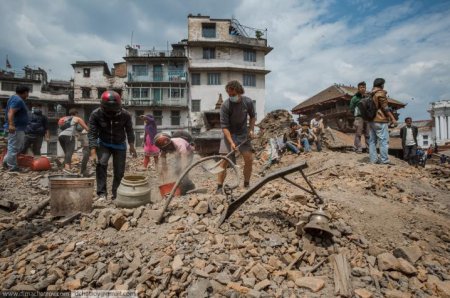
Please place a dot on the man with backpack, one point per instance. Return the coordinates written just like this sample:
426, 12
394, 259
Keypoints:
234, 114
110, 127
36, 130
360, 124
376, 110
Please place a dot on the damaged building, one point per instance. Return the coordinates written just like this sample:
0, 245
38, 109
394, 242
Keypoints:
157, 83
221, 50
54, 96
333, 102
91, 79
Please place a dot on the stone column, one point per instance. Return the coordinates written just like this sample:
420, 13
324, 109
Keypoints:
448, 127
436, 125
443, 128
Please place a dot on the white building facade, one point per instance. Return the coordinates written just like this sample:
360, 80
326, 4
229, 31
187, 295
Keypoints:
220, 50
440, 113
91, 79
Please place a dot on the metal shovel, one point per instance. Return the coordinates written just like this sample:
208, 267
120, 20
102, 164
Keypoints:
214, 166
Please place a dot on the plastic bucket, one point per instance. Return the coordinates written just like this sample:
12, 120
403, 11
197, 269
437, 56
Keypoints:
69, 194
165, 189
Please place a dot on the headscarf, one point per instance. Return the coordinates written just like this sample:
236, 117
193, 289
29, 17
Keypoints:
150, 126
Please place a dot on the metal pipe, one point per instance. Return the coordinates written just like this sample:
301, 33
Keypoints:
187, 170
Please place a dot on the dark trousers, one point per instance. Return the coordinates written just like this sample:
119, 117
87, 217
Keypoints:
84, 160
119, 158
34, 142
409, 154
68, 146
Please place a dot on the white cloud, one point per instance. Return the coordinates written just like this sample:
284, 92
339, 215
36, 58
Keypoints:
409, 50
309, 55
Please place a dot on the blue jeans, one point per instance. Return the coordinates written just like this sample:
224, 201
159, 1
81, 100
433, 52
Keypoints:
16, 142
378, 133
305, 144
291, 146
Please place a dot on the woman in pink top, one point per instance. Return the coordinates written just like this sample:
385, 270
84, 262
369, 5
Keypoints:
184, 153
149, 147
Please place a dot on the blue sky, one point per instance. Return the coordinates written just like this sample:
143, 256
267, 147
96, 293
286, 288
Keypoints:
316, 43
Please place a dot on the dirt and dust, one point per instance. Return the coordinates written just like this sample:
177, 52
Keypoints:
390, 222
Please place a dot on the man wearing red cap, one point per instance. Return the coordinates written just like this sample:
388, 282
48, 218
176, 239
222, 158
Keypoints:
109, 127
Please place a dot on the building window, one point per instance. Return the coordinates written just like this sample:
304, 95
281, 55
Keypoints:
140, 70
213, 78
100, 92
176, 92
195, 79
86, 72
209, 30
157, 114
425, 140
7, 86
138, 119
195, 105
250, 55
85, 92
143, 93
249, 80
136, 93
209, 53
175, 118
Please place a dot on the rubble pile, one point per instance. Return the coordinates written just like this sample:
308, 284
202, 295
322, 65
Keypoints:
273, 125
390, 239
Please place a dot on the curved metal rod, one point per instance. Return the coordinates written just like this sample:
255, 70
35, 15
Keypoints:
187, 170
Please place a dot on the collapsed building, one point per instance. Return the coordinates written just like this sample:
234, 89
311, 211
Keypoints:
333, 102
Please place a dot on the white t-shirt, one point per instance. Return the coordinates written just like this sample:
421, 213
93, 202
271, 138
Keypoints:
409, 141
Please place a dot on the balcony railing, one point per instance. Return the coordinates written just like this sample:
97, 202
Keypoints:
174, 102
53, 115
131, 52
159, 76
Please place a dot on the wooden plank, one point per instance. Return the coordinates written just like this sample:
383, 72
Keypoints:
296, 260
36, 209
342, 283
67, 219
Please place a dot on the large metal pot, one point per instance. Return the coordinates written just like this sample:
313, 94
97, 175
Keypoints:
133, 191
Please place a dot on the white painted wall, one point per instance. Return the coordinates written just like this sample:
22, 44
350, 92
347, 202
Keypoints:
209, 94
420, 139
226, 57
97, 79
440, 111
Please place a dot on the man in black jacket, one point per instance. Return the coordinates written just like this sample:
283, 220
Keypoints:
36, 130
408, 133
109, 128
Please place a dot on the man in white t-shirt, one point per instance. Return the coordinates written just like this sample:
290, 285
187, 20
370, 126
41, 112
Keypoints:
408, 133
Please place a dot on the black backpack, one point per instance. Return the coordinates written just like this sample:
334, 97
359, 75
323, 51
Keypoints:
367, 108
35, 125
